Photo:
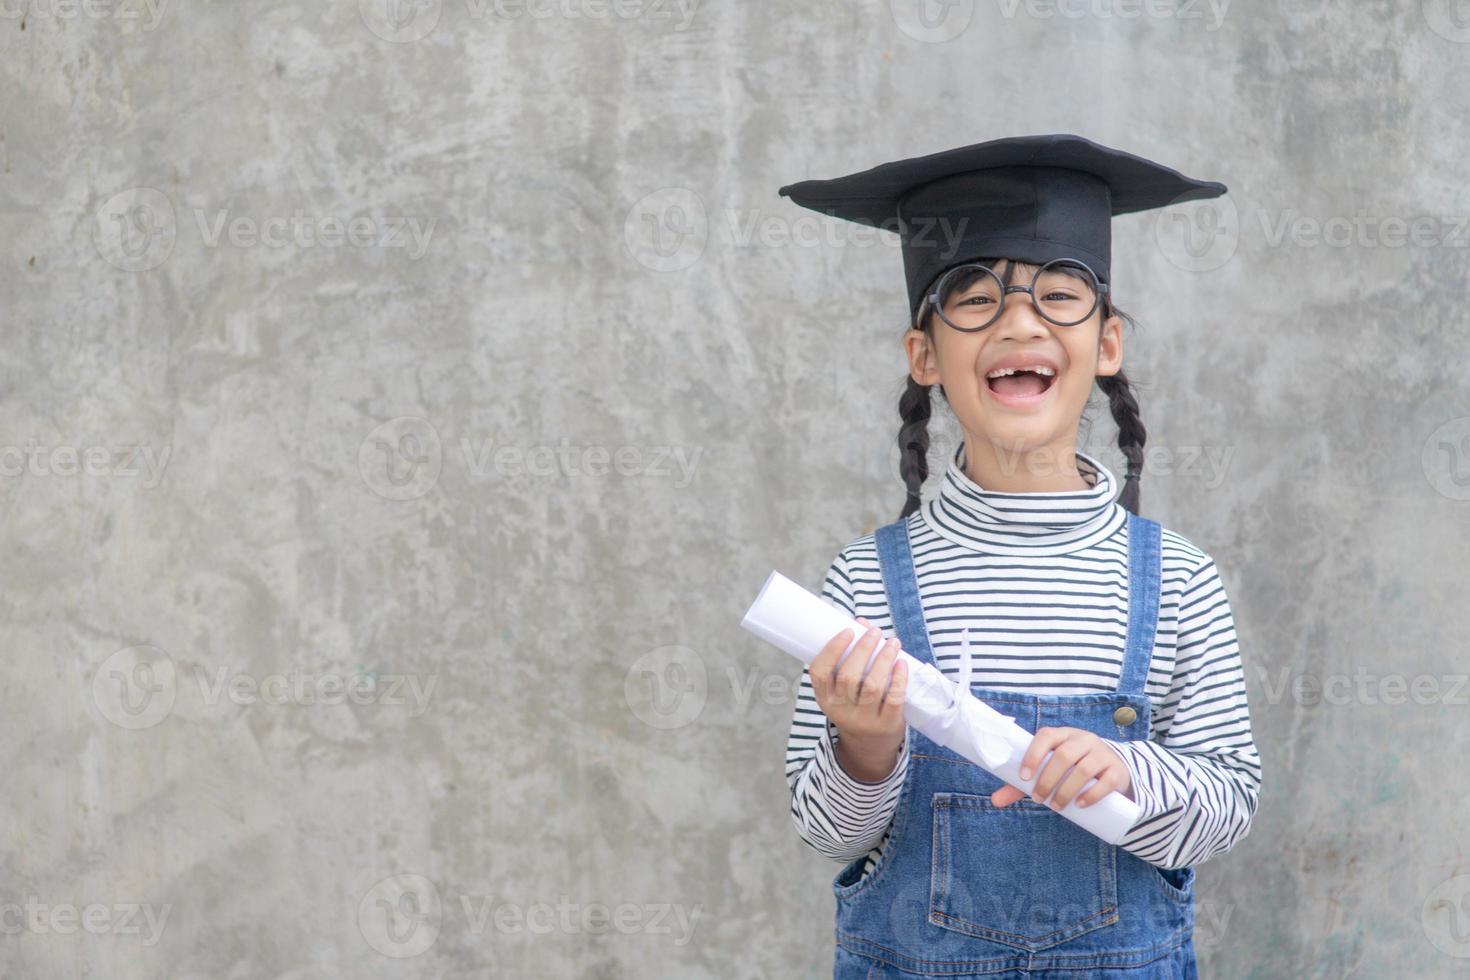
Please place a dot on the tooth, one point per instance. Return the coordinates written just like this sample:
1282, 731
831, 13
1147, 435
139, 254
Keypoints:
1039, 369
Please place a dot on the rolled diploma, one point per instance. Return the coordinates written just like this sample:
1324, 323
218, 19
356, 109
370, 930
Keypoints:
800, 623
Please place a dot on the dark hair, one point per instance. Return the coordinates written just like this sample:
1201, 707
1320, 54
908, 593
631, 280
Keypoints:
915, 407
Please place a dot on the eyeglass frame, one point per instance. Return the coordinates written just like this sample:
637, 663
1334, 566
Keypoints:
1101, 299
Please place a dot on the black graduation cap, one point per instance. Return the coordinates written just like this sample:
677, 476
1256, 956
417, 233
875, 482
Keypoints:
1030, 198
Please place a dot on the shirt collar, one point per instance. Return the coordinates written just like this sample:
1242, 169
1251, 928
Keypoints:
1040, 523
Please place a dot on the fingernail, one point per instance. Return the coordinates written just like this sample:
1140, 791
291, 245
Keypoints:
1025, 772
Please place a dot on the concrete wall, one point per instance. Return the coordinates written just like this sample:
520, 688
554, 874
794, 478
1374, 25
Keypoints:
401, 403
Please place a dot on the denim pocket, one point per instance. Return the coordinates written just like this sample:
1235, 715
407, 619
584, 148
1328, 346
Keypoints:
846, 882
1020, 874
1176, 882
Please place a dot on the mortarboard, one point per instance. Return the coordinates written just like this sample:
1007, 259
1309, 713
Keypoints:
1030, 198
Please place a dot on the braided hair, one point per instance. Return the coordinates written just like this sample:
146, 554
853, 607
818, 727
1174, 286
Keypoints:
915, 406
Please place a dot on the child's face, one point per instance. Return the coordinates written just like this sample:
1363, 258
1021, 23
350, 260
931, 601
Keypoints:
1012, 419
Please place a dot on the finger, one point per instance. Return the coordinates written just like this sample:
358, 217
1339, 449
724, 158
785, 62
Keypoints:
849, 676
1112, 778
1081, 774
897, 688
1040, 745
1064, 754
875, 686
822, 664
1006, 795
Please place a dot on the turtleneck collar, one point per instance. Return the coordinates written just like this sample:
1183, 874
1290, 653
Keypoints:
1042, 523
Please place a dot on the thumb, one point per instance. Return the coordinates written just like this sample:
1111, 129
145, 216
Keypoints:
1006, 795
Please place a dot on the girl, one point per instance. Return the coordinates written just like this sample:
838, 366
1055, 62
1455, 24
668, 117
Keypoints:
1108, 637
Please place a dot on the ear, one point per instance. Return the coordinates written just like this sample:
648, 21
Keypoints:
1110, 347
923, 359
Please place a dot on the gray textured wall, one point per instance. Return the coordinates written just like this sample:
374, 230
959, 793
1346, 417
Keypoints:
401, 403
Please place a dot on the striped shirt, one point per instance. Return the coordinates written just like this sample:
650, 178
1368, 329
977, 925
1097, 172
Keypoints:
1040, 580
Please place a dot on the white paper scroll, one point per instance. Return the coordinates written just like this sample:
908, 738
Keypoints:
800, 623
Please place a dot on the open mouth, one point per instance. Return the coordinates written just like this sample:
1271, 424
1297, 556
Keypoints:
1022, 384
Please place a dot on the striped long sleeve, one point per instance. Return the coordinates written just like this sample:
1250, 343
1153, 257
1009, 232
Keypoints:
840, 817
1198, 776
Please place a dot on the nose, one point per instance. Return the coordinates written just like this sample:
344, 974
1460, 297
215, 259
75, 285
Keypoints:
1020, 319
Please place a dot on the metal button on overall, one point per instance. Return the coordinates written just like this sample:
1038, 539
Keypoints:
1125, 715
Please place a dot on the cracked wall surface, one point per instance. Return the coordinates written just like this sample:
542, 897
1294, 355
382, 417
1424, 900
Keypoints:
400, 403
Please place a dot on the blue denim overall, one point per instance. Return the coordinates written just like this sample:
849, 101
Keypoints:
968, 889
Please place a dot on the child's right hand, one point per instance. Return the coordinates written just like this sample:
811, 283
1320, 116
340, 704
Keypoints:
868, 718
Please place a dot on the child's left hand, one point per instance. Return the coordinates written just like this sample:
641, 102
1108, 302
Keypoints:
1073, 749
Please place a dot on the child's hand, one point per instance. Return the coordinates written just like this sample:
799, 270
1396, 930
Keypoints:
870, 723
1074, 749
867, 711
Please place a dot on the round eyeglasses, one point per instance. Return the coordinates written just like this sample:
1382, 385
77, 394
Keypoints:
971, 297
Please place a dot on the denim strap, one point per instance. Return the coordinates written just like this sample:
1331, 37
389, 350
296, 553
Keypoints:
896, 562
1143, 602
